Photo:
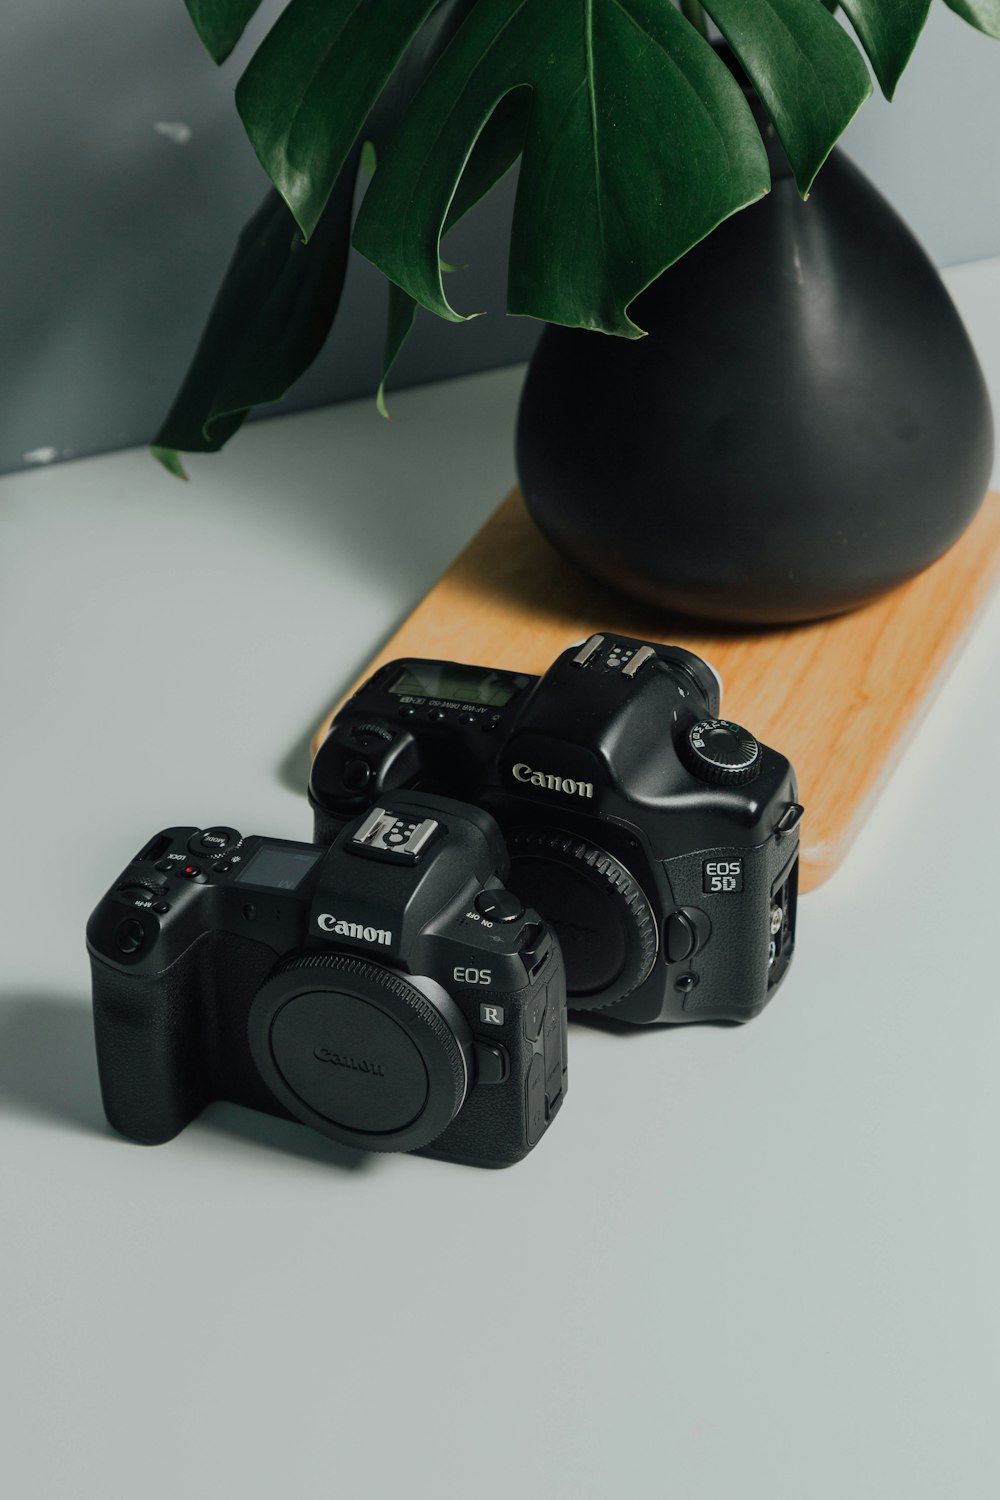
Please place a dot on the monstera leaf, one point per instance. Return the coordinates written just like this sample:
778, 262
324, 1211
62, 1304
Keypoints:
280, 294
983, 14
221, 23
635, 141
333, 58
495, 152
888, 30
269, 321
633, 152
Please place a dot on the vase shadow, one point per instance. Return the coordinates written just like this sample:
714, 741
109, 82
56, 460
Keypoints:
510, 572
512, 564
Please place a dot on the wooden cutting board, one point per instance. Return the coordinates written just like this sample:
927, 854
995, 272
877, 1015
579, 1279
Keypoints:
839, 697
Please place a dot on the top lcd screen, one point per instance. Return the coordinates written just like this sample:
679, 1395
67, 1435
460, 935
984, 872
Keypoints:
280, 868
455, 684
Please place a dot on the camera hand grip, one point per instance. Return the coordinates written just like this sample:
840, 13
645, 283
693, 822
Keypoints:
150, 1050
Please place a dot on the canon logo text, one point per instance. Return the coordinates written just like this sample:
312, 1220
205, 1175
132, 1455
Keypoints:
553, 783
326, 923
358, 1064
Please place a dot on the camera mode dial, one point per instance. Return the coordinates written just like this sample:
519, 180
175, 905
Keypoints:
719, 751
211, 843
598, 910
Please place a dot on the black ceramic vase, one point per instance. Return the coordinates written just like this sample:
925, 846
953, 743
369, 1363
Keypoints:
805, 426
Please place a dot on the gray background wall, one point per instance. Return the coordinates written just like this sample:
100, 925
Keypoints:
116, 232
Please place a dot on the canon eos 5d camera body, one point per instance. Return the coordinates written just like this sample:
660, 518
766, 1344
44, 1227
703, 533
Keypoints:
660, 841
388, 991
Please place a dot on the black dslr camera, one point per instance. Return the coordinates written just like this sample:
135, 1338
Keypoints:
660, 841
388, 991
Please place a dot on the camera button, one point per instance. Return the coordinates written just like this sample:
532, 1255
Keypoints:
356, 775
129, 935
679, 938
499, 906
468, 718
408, 711
790, 818
534, 1099
492, 1063
438, 714
534, 1015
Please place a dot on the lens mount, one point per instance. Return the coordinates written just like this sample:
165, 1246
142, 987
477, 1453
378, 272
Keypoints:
604, 923
373, 1058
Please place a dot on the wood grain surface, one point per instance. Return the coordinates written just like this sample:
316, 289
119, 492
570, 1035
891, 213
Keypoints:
839, 697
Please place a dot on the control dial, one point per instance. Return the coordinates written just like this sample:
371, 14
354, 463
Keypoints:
721, 752
139, 889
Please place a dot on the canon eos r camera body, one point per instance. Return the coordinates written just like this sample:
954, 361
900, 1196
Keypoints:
660, 841
388, 990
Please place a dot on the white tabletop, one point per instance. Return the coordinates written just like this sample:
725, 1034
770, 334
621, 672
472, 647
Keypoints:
754, 1262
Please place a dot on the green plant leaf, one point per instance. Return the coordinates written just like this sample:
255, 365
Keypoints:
311, 85
888, 30
983, 14
221, 23
171, 461
639, 142
809, 75
494, 153
369, 158
269, 320
402, 313
695, 13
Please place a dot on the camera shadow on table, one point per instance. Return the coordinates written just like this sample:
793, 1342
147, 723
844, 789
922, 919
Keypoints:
48, 1071
593, 1020
48, 1068
286, 1136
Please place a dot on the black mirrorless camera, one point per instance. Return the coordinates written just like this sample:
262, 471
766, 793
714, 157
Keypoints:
659, 840
388, 990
